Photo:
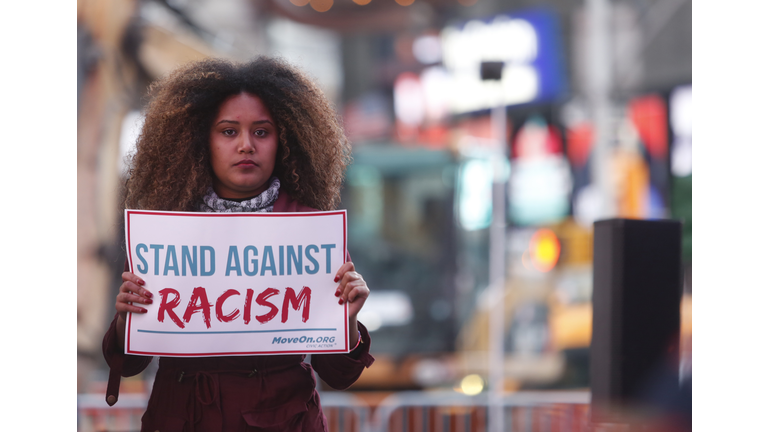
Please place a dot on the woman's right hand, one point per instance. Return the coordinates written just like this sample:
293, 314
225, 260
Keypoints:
132, 291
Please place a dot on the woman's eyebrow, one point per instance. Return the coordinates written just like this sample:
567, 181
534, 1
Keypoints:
237, 122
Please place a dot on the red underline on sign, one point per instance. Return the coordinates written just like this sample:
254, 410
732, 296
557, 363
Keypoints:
241, 331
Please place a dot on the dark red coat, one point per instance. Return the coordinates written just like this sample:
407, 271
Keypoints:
239, 393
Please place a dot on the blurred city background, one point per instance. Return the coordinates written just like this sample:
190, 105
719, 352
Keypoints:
596, 100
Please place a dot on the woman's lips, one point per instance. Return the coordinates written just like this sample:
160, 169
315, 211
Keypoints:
246, 162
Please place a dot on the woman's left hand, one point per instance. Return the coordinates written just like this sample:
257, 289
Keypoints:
352, 288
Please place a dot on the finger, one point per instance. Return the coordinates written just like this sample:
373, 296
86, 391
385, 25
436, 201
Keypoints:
130, 277
132, 288
123, 303
354, 289
350, 276
136, 284
358, 292
131, 308
125, 307
134, 298
346, 267
347, 278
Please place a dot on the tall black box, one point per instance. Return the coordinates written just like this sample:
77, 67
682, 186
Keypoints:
637, 288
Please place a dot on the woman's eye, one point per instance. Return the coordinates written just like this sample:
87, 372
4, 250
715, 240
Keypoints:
260, 132
228, 132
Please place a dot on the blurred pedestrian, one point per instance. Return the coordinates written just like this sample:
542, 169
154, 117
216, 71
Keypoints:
225, 137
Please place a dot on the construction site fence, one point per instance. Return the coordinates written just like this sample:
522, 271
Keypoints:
412, 411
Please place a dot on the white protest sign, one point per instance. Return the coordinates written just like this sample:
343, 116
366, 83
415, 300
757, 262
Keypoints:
227, 284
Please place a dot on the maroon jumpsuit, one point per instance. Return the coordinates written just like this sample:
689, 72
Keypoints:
238, 393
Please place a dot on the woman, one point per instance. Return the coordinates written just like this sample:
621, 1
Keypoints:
220, 137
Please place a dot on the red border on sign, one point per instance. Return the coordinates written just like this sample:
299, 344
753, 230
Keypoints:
128, 214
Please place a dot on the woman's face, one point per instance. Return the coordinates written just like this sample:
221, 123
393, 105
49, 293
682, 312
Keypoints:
243, 147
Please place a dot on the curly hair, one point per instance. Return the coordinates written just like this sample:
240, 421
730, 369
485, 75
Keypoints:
171, 168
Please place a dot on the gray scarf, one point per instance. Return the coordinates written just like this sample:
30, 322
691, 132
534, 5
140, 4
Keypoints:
262, 203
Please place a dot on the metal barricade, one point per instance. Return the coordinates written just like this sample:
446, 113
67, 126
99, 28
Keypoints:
456, 412
94, 415
345, 412
416, 411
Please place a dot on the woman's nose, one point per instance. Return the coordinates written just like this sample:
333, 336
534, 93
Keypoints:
245, 144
